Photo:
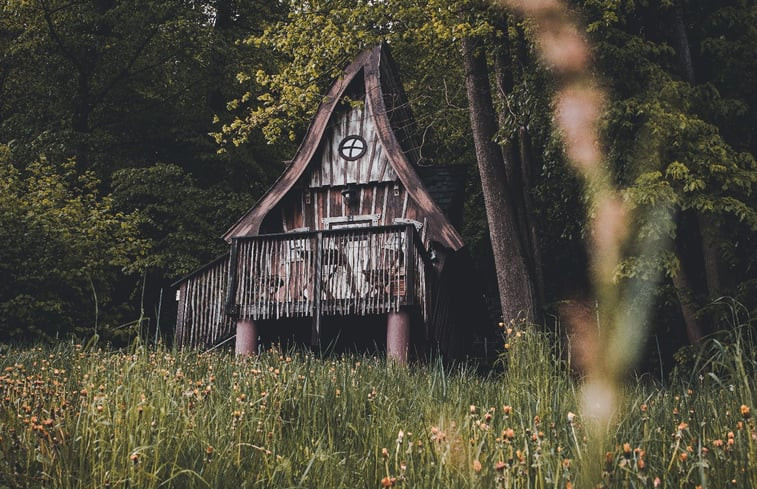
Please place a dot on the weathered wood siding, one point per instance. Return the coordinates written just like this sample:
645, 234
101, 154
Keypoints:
383, 203
378, 195
201, 319
333, 170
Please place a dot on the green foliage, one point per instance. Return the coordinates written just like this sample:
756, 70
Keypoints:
181, 221
318, 39
61, 247
678, 148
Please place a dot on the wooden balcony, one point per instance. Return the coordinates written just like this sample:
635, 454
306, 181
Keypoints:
357, 271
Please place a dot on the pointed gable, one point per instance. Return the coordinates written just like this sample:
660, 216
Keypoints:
358, 138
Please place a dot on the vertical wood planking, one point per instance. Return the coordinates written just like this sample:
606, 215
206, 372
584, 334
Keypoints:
349, 271
202, 319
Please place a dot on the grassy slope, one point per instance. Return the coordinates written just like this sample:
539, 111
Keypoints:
76, 418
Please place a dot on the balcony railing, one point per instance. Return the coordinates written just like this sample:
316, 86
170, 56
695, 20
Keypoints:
359, 271
355, 271
201, 318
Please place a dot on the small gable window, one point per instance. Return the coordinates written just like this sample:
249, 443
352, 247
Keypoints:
352, 147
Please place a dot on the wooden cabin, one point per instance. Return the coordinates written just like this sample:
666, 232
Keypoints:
349, 239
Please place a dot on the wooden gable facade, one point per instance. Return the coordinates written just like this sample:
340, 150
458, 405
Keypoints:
347, 230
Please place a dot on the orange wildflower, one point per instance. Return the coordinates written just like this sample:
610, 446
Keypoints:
745, 411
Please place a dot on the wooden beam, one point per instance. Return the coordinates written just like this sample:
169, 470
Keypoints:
315, 338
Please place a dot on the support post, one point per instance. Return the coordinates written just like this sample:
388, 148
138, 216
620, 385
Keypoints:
409, 264
231, 289
398, 336
247, 337
315, 334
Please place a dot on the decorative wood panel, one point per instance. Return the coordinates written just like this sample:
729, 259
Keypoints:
330, 169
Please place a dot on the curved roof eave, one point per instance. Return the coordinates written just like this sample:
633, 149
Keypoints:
369, 61
249, 223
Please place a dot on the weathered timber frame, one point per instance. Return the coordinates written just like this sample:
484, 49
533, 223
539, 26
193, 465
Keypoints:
337, 236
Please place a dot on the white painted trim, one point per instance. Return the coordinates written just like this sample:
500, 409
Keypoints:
400, 220
373, 218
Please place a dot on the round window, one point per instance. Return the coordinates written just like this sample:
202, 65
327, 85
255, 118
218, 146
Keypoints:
352, 147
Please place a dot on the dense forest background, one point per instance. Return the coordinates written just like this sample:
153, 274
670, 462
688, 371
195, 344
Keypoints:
134, 132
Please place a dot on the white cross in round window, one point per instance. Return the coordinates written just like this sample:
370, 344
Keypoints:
352, 147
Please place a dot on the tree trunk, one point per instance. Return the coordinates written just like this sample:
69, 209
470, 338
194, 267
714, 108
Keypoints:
707, 227
518, 173
526, 166
513, 278
682, 287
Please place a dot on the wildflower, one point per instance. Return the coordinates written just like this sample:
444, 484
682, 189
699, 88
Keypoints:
388, 481
385, 453
500, 466
683, 456
477, 465
509, 433
627, 449
507, 346
507, 409
472, 409
745, 411
134, 457
571, 417
717, 443
657, 482
643, 408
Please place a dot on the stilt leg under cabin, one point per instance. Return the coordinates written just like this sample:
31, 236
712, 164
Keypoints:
398, 336
247, 337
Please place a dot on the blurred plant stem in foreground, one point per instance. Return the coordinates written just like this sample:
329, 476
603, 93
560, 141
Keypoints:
612, 338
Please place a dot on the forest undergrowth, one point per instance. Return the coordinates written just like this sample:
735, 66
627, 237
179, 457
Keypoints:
75, 416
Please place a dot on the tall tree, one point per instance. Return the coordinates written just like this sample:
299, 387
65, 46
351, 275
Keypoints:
515, 282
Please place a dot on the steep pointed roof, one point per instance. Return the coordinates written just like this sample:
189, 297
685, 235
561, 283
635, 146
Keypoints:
378, 72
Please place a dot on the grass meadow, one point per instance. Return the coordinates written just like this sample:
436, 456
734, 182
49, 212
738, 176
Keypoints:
75, 416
